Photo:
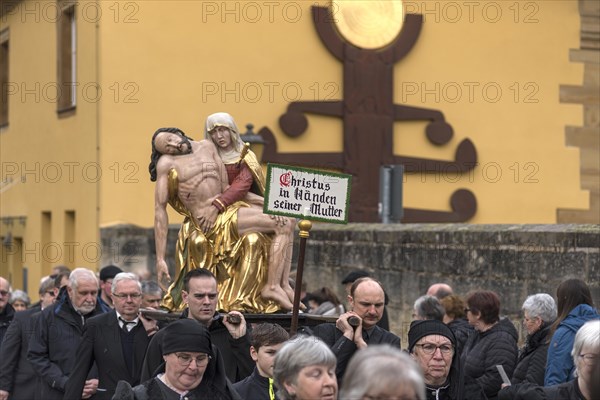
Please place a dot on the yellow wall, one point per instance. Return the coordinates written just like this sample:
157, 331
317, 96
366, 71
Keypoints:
186, 63
57, 156
520, 133
171, 63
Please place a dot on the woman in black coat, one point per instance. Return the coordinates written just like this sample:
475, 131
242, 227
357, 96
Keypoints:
539, 312
493, 343
586, 358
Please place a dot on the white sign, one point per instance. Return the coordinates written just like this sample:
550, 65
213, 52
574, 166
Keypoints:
307, 193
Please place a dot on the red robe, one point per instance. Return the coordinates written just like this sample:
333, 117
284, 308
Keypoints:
240, 180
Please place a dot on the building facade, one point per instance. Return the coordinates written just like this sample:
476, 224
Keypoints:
86, 83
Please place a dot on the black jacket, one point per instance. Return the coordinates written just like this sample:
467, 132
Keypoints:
6, 317
562, 391
462, 330
235, 352
441, 393
483, 351
52, 347
531, 365
153, 390
255, 387
344, 349
16, 373
102, 344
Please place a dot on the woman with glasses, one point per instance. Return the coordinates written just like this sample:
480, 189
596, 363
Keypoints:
539, 312
575, 307
494, 342
192, 368
432, 345
586, 357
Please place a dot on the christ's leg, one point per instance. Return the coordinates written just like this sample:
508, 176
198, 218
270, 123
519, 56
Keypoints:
253, 220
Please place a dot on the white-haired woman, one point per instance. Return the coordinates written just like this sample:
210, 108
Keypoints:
382, 372
305, 370
586, 356
539, 313
19, 300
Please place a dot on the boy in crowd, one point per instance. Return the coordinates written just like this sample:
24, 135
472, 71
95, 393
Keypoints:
266, 339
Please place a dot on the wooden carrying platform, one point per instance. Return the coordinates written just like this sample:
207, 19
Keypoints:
285, 320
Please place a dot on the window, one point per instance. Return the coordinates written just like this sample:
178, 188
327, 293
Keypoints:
46, 236
69, 238
67, 56
4, 78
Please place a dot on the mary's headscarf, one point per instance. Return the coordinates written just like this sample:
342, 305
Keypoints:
223, 119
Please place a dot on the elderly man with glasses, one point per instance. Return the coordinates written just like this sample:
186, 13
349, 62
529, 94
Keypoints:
432, 345
116, 341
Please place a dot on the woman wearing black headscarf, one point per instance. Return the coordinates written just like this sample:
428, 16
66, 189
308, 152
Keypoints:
192, 369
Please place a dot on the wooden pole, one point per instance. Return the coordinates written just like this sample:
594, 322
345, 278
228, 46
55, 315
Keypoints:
305, 227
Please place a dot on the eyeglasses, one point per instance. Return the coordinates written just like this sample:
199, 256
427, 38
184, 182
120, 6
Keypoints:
4, 293
589, 359
526, 319
429, 348
133, 296
51, 293
185, 359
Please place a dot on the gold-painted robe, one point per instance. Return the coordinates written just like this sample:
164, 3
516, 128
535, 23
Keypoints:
240, 264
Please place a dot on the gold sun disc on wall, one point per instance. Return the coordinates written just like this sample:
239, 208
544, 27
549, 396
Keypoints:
368, 24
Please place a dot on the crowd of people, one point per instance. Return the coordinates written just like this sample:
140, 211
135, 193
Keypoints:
90, 336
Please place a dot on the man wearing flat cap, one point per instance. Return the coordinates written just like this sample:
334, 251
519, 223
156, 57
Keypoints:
432, 345
107, 274
193, 368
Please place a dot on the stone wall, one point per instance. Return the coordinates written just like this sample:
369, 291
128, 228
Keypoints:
513, 260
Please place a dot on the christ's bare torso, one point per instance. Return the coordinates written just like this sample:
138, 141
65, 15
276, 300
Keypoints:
199, 175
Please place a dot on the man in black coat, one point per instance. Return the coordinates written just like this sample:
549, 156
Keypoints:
116, 341
201, 296
367, 301
6, 310
17, 377
59, 331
